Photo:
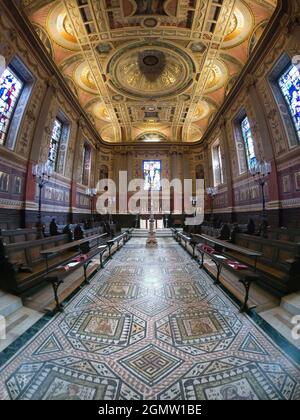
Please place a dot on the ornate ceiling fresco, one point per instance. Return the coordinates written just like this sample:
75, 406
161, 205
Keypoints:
147, 69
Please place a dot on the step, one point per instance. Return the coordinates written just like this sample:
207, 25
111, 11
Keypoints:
18, 323
291, 303
9, 304
281, 320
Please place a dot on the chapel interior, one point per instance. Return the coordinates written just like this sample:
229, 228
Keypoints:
143, 305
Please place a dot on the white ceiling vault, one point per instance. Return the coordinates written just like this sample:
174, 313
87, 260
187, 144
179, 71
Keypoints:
150, 69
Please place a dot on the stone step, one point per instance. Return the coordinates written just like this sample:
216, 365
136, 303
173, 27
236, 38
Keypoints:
17, 324
291, 303
9, 304
281, 319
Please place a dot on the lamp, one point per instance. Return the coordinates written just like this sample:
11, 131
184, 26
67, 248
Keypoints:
260, 171
91, 192
212, 192
42, 172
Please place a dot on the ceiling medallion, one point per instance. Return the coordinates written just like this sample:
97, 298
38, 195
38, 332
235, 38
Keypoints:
151, 69
150, 60
150, 22
152, 64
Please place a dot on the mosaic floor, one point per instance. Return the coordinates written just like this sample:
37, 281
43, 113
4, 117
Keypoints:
150, 326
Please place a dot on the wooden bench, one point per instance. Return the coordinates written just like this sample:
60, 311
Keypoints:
11, 236
279, 265
28, 254
102, 249
174, 233
244, 274
183, 238
129, 234
284, 234
71, 245
117, 239
57, 276
226, 247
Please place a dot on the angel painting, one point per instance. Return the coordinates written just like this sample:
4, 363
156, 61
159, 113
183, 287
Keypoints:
150, 7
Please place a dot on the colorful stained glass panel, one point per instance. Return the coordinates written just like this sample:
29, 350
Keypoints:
152, 174
54, 145
10, 91
289, 84
249, 142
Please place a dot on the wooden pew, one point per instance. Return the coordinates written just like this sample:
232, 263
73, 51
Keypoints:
117, 239
279, 264
245, 273
225, 246
246, 276
10, 236
27, 255
69, 246
56, 277
183, 238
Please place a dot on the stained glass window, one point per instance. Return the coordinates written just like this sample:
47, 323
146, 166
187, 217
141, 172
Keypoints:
54, 144
217, 165
249, 142
10, 91
152, 174
86, 164
289, 84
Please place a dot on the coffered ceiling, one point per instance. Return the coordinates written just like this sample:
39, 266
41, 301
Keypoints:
150, 70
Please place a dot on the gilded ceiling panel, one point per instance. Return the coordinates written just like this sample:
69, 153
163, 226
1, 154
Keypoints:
150, 70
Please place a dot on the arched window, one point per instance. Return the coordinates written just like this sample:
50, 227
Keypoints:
285, 83
16, 84
289, 83
249, 142
86, 164
54, 143
10, 91
245, 144
58, 143
217, 164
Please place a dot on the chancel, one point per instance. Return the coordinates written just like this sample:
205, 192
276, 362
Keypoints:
149, 200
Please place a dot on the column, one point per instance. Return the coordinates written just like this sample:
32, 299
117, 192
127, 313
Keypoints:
228, 168
41, 130
263, 134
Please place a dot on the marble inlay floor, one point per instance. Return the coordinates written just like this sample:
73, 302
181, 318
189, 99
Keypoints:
150, 326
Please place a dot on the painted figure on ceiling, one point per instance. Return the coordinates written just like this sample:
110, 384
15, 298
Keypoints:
150, 7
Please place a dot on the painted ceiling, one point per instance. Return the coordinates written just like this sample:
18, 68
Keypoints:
150, 69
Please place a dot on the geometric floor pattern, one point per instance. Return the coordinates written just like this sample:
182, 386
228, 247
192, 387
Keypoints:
151, 325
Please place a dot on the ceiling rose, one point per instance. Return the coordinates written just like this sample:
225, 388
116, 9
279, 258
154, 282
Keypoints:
155, 70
